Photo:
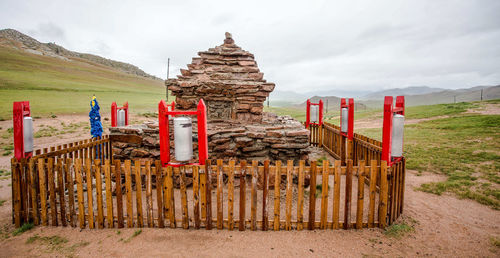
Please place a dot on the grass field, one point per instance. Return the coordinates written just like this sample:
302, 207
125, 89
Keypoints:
463, 146
53, 85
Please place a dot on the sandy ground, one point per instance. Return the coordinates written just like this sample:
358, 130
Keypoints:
444, 226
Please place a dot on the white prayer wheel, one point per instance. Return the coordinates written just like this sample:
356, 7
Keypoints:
183, 138
121, 117
398, 127
314, 113
345, 120
28, 134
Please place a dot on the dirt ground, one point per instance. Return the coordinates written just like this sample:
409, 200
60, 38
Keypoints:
444, 226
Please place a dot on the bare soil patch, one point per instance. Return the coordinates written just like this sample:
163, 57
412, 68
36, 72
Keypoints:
444, 226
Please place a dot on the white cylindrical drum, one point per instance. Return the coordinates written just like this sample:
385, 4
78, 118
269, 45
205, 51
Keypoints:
345, 118
314, 114
28, 134
183, 138
121, 117
398, 127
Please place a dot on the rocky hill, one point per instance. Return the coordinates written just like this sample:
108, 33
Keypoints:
20, 41
333, 102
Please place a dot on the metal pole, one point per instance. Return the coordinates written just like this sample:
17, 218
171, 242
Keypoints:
168, 74
481, 94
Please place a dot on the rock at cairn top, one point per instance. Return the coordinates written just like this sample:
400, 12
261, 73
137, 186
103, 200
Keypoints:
228, 79
229, 39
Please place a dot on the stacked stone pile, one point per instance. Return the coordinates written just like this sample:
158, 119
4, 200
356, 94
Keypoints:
227, 79
283, 139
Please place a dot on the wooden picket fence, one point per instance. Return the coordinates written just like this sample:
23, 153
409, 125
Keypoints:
95, 148
79, 184
89, 193
328, 137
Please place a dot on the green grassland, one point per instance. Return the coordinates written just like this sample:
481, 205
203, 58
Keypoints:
463, 146
53, 85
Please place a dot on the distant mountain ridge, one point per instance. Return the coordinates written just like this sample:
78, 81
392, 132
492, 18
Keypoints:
412, 90
18, 40
414, 96
332, 102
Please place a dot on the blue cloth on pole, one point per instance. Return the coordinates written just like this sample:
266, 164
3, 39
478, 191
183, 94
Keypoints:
95, 118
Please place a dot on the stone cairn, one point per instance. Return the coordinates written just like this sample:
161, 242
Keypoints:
228, 80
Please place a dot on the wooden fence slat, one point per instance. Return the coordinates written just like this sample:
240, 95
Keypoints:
289, 193
138, 193
52, 191
184, 201
166, 194
196, 197
361, 194
70, 185
79, 186
403, 175
243, 189
43, 193
208, 194
98, 186
324, 195
119, 196
300, 197
348, 195
157, 170
373, 184
90, 201
336, 194
383, 195
312, 197
253, 208
220, 216
25, 200
203, 192
265, 189
277, 182
230, 195
109, 195
33, 188
171, 197
149, 195
159, 193
128, 185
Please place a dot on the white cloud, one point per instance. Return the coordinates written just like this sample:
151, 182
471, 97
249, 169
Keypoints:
313, 45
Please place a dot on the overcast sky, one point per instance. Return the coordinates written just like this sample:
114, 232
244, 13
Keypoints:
299, 45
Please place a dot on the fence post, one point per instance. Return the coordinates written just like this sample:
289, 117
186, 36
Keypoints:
382, 215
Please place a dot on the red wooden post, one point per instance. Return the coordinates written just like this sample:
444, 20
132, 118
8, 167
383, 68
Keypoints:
320, 112
389, 112
308, 113
114, 110
163, 119
387, 130
20, 110
202, 132
350, 120
342, 105
125, 107
164, 133
400, 105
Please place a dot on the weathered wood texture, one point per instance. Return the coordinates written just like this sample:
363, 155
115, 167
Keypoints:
44, 190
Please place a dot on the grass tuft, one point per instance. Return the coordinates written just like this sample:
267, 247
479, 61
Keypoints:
398, 230
136, 233
25, 227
